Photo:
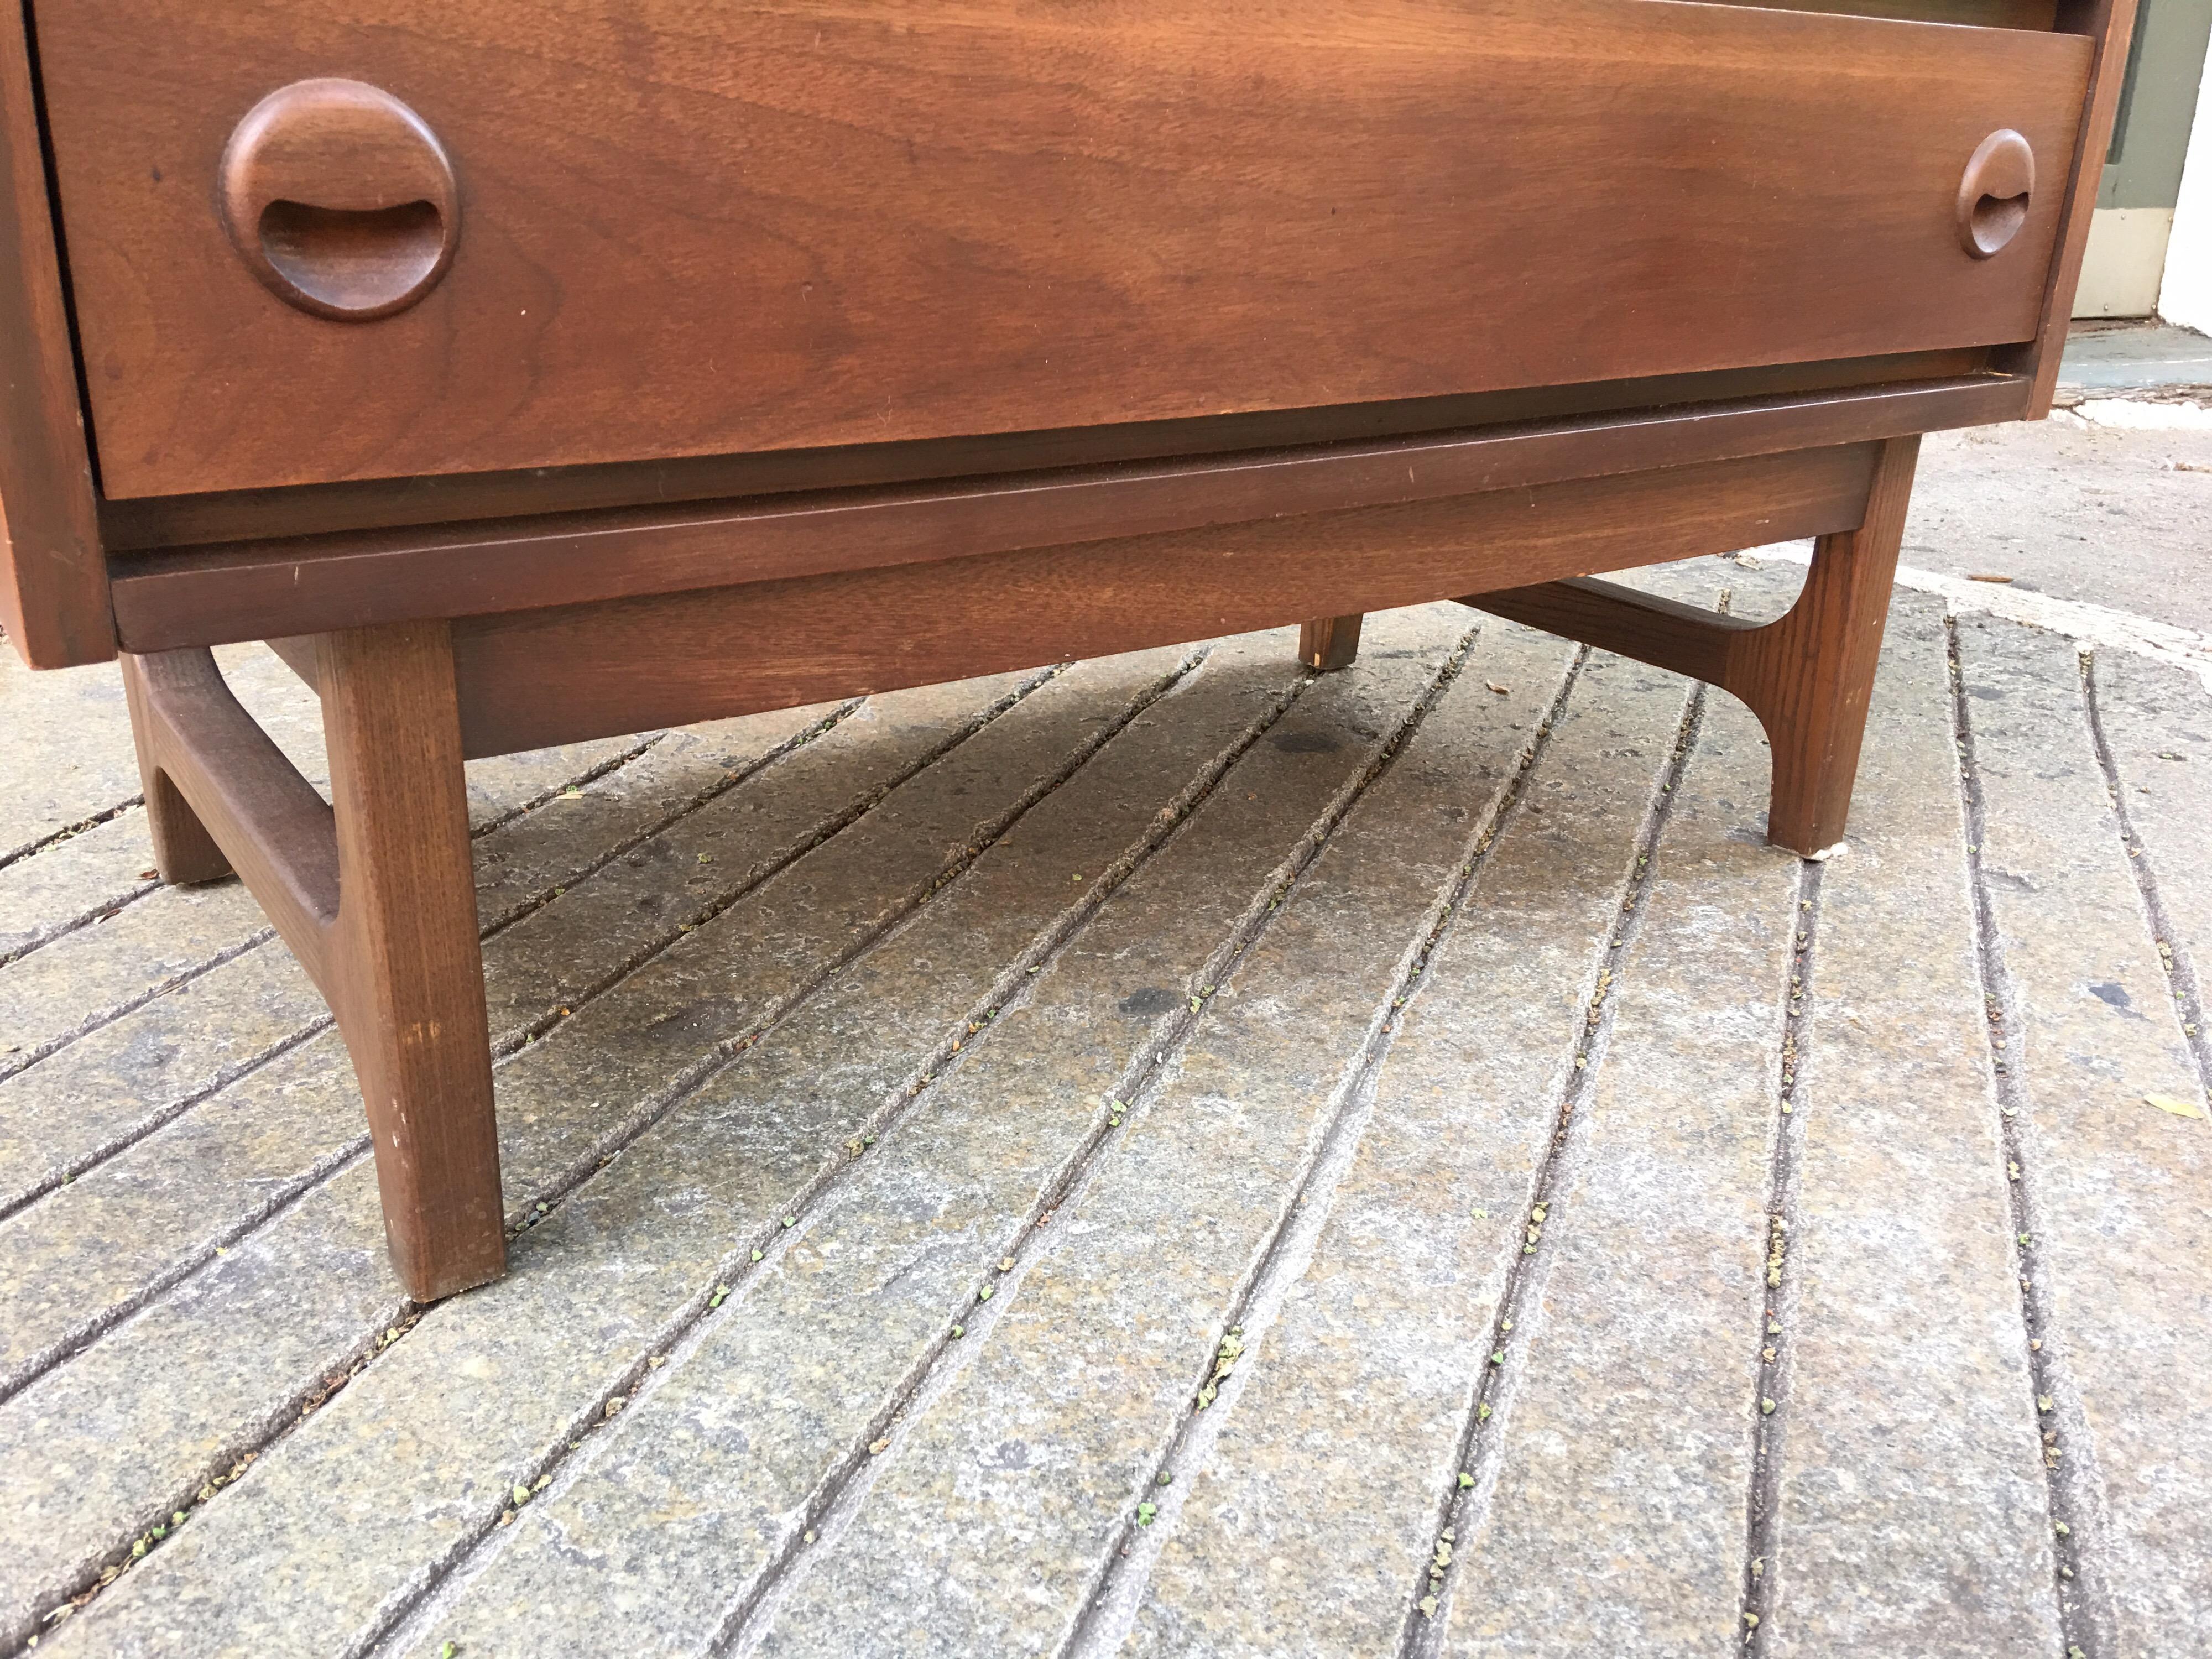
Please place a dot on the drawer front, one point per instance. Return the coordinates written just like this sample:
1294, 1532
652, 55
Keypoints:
674, 229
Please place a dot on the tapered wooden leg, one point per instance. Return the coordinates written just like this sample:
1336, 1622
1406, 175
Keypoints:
1329, 642
407, 974
373, 892
1808, 675
184, 852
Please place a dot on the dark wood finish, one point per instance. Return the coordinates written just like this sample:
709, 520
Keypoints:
1330, 643
261, 591
532, 678
1808, 675
1985, 14
2106, 24
1993, 193
339, 199
165, 523
374, 894
53, 586
764, 240
411, 973
165, 694
796, 352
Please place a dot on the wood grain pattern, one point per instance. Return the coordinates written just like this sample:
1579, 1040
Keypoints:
1808, 675
1328, 643
1985, 14
2105, 24
701, 230
167, 523
530, 678
53, 586
409, 979
374, 894
267, 590
230, 800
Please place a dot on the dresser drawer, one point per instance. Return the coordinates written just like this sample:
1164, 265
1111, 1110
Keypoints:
672, 228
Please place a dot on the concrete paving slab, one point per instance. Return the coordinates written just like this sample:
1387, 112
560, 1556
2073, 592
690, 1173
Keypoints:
97, 975
1617, 1521
2117, 1193
2110, 517
67, 760
322, 1315
64, 1112
224, 1340
2157, 724
1302, 1528
724, 1451
69, 881
1909, 1512
118, 1083
1008, 1489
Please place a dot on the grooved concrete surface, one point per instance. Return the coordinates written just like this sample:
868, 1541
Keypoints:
1172, 1156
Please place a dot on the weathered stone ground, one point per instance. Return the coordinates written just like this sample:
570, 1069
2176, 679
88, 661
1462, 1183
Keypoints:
1170, 1156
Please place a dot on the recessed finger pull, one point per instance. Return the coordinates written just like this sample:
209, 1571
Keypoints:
1995, 192
340, 199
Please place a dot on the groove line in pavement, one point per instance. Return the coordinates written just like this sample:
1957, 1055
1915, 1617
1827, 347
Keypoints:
839, 1496
99, 911
759, 1251
1779, 1310
260, 936
1109, 1611
1461, 1505
317, 1390
2081, 1589
170, 1110
280, 1197
69, 832
2172, 950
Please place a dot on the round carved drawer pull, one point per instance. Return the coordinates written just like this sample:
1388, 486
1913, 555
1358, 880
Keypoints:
340, 199
1993, 195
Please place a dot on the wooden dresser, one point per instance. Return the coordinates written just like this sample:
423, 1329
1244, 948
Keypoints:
529, 373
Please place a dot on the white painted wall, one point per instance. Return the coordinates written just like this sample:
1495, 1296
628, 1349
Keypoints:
2185, 294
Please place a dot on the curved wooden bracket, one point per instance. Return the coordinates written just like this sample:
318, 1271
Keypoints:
1808, 675
373, 891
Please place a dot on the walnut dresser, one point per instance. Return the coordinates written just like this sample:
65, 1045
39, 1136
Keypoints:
527, 373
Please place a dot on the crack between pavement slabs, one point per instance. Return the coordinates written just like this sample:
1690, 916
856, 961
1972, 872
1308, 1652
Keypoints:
1109, 1612
838, 1497
412, 1614
82, 1587
2174, 955
1779, 1305
2081, 1587
68, 832
1461, 1505
259, 936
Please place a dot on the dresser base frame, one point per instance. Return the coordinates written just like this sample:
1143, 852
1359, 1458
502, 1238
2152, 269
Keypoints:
373, 891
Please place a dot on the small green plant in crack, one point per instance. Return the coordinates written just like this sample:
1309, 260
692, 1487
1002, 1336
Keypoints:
1232, 1350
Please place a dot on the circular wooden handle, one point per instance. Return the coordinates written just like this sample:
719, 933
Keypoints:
340, 199
1993, 194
